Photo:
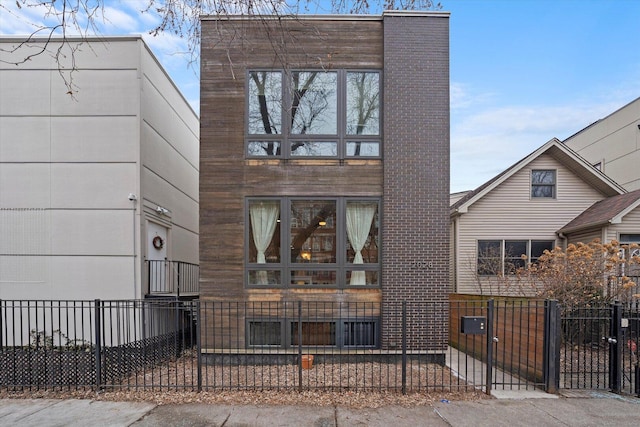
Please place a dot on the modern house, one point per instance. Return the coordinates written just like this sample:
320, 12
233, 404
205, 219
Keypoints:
96, 185
530, 207
612, 145
324, 164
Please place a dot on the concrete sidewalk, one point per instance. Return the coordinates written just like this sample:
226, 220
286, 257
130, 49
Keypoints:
598, 409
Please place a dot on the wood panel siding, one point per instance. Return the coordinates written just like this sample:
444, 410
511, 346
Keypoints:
508, 212
229, 49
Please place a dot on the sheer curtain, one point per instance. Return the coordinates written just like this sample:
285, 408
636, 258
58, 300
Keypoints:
359, 218
264, 218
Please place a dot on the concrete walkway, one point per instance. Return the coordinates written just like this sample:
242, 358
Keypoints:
593, 409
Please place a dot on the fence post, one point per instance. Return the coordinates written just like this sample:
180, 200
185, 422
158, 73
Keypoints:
1, 329
404, 347
98, 346
300, 346
489, 374
178, 279
198, 316
615, 344
551, 346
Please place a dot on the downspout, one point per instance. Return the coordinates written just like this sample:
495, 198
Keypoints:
455, 254
134, 199
563, 239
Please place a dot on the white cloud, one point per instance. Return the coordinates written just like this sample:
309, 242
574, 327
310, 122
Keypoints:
487, 141
116, 20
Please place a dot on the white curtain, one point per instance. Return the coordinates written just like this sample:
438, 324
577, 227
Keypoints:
359, 218
264, 218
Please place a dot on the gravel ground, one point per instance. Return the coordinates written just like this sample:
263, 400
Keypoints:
361, 385
305, 398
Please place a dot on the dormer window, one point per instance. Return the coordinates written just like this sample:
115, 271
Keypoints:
543, 184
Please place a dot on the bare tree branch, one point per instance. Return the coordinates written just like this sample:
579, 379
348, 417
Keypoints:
66, 19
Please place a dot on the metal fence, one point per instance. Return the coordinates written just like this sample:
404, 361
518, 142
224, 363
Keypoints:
600, 346
206, 345
172, 277
293, 345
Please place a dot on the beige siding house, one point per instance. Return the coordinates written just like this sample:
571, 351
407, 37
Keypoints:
615, 218
518, 213
613, 145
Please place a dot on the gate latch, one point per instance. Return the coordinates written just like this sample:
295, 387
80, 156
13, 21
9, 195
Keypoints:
610, 340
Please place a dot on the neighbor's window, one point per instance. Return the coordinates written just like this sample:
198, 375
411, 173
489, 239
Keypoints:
329, 242
500, 257
543, 184
489, 257
513, 255
313, 113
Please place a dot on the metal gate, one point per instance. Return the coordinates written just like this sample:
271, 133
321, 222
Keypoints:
506, 339
599, 348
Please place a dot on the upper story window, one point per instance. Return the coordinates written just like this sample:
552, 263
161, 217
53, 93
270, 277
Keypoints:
313, 113
543, 183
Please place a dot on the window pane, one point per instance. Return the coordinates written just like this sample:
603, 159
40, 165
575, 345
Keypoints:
629, 238
542, 191
314, 333
265, 102
265, 333
314, 149
314, 103
538, 248
370, 277
363, 149
362, 232
363, 103
513, 252
264, 148
264, 231
489, 257
264, 277
312, 277
543, 177
311, 228
359, 334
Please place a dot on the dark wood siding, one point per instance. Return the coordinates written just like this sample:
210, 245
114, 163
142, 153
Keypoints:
227, 178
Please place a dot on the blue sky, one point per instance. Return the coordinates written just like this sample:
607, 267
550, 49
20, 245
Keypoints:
522, 71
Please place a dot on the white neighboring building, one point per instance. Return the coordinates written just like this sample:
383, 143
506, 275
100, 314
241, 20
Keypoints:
88, 185
612, 144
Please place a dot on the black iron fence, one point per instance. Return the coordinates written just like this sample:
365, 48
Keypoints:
178, 278
600, 347
457, 345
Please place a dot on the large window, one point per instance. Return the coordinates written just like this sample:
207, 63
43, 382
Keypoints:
543, 184
500, 257
294, 242
358, 333
313, 113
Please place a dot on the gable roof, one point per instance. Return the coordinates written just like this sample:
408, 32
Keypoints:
559, 151
606, 211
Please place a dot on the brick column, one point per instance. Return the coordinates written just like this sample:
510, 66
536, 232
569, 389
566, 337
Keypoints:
415, 236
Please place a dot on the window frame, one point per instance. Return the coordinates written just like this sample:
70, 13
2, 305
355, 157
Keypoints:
553, 186
504, 257
286, 139
340, 242
287, 340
